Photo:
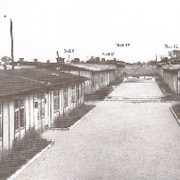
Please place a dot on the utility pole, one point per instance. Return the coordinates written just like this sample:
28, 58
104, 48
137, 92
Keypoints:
12, 43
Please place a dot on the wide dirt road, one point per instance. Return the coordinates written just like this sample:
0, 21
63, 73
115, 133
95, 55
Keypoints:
117, 141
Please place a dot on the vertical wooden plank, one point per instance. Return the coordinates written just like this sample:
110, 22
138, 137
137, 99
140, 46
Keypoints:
11, 123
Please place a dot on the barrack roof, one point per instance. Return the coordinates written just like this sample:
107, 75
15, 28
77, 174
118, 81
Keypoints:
26, 80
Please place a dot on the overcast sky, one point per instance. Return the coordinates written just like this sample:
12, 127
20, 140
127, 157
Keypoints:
90, 27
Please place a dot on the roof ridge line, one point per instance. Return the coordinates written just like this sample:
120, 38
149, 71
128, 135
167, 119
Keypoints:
29, 79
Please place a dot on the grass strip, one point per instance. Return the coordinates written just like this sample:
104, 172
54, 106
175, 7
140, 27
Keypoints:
169, 95
66, 121
22, 151
176, 109
100, 94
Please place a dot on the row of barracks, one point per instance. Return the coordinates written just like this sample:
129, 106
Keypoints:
171, 75
98, 75
31, 99
33, 94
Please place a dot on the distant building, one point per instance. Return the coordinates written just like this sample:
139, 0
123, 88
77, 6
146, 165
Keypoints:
97, 77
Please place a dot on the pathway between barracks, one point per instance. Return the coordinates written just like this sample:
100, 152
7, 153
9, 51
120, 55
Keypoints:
118, 140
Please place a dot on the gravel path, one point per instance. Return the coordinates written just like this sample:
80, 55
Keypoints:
137, 90
117, 141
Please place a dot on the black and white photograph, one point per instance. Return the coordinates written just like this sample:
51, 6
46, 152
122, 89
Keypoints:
89, 90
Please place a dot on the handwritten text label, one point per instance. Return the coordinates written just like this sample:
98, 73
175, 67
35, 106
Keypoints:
68, 50
108, 54
174, 46
122, 45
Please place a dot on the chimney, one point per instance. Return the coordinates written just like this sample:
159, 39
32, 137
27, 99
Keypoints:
76, 60
60, 60
48, 61
97, 59
21, 59
35, 60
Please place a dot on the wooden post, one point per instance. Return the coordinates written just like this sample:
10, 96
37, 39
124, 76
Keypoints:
12, 43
